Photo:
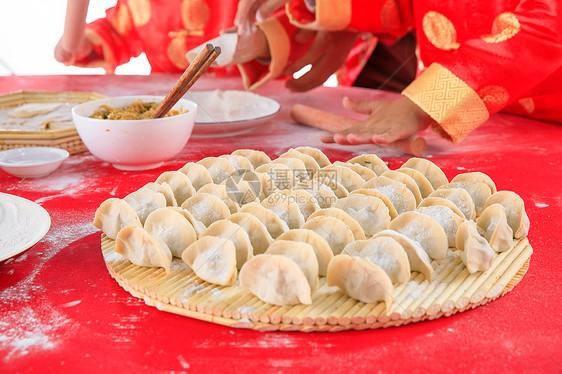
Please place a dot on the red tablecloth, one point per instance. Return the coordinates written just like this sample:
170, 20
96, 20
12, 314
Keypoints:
60, 310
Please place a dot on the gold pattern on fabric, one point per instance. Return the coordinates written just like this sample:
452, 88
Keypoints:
504, 27
440, 31
140, 11
195, 15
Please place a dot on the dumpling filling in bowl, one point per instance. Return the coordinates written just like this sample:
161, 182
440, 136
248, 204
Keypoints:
136, 110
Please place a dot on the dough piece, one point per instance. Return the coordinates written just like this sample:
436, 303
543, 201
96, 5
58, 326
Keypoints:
257, 158
179, 183
460, 197
431, 171
302, 254
492, 223
342, 215
424, 230
371, 213
370, 161
276, 280
256, 230
275, 225
305, 201
343, 175
114, 214
475, 177
219, 168
280, 176
139, 247
165, 189
170, 226
401, 197
478, 191
310, 162
197, 174
417, 257
219, 190
374, 193
336, 233
324, 195
212, 259
433, 201
385, 252
423, 183
360, 279
317, 154
236, 234
238, 162
145, 201
320, 246
285, 208
206, 208
407, 180
197, 225
514, 209
363, 171
446, 218
477, 255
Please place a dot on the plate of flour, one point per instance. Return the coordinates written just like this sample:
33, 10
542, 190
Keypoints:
230, 112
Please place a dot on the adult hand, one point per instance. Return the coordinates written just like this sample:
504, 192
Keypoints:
68, 55
251, 11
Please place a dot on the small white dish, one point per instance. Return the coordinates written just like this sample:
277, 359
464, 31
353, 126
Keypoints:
134, 144
32, 162
23, 223
230, 112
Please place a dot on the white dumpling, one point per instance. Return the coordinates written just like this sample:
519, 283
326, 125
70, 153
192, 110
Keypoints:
212, 259
317, 154
493, 225
446, 218
363, 171
145, 201
257, 158
360, 279
285, 208
295, 164
238, 162
256, 230
421, 180
114, 214
141, 248
324, 195
460, 197
236, 234
370, 161
475, 177
385, 252
514, 209
401, 197
424, 230
305, 201
477, 255
354, 226
206, 208
219, 168
433, 201
179, 183
170, 226
219, 190
431, 171
165, 189
197, 225
302, 254
280, 176
197, 174
343, 175
407, 180
320, 246
276, 280
275, 225
478, 191
375, 193
310, 163
336, 233
371, 213
242, 191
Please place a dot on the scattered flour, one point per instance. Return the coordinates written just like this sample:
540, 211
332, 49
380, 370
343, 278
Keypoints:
539, 204
71, 304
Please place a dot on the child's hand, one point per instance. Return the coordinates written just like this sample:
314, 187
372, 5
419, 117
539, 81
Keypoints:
68, 55
252, 44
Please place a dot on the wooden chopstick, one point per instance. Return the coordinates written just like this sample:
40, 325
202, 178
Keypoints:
193, 72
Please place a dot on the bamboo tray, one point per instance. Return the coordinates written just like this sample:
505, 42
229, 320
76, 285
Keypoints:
66, 138
452, 290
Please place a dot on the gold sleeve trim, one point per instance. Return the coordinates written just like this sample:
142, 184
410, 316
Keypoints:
448, 100
331, 15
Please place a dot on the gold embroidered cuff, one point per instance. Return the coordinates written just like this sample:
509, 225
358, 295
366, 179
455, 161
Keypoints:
448, 100
331, 15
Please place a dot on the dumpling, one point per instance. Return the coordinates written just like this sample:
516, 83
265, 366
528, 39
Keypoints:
375, 193
280, 176
275, 279
433, 201
317, 154
320, 246
291, 162
401, 197
322, 194
343, 175
219, 190
476, 177
370, 161
179, 183
421, 180
197, 225
256, 230
212, 259
170, 226
336, 233
417, 257
236, 234
262, 184
310, 163
354, 226
360, 279
385, 252
165, 189
363, 171
257, 158
238, 162
302, 254
371, 213
304, 199
431, 171
478, 191
275, 225
446, 218
206, 208
286, 208
407, 180
514, 209
145, 201
141, 248
424, 230
197, 174
219, 168
460, 197
477, 255
492, 223
114, 214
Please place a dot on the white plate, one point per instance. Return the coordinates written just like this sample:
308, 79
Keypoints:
32, 162
22, 224
230, 112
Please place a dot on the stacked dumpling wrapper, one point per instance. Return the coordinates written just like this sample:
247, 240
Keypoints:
275, 227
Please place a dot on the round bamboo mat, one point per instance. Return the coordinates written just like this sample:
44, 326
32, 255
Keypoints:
451, 290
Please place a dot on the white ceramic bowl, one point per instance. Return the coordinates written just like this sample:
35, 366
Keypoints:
32, 162
134, 144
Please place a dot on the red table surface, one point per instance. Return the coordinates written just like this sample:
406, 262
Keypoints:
60, 310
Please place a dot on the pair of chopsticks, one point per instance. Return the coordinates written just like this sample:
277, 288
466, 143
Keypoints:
193, 72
